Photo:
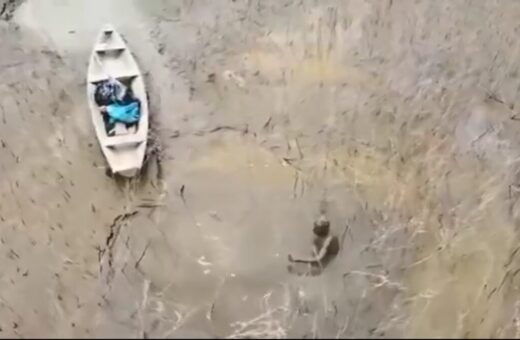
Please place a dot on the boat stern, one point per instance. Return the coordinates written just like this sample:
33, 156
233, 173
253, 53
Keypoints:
128, 173
125, 161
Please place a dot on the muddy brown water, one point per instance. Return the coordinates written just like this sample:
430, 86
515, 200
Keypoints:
399, 114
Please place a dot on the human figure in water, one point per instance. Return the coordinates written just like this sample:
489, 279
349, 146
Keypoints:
325, 249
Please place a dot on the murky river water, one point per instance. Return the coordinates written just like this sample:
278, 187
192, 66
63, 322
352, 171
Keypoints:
397, 113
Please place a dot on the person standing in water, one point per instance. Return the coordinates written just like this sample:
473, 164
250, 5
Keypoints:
325, 249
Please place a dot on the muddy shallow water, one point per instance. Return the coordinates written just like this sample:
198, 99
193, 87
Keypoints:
400, 115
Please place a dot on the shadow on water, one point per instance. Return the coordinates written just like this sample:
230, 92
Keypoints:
152, 170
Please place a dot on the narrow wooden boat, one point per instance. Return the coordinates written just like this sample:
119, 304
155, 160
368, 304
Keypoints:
111, 58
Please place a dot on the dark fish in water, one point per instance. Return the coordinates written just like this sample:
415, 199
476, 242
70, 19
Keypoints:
150, 205
181, 192
268, 123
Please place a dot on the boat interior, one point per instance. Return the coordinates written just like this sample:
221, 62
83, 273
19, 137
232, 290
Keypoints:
112, 54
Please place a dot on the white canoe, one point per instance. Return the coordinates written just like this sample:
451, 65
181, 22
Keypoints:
125, 150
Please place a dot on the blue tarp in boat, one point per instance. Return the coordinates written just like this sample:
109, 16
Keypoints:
128, 113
